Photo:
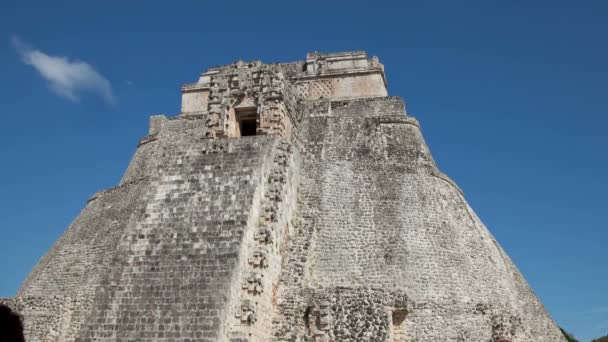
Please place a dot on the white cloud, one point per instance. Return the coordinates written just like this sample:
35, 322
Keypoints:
67, 78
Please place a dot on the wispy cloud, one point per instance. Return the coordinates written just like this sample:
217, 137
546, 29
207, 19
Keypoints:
67, 78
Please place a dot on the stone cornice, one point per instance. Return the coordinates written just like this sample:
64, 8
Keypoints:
342, 72
191, 87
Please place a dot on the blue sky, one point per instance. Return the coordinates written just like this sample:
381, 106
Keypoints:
511, 96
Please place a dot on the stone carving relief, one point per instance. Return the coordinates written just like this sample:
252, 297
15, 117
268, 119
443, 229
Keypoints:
247, 312
258, 87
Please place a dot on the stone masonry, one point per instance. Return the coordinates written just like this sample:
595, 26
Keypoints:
286, 202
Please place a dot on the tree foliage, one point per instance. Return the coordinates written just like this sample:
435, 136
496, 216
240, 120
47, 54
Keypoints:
569, 337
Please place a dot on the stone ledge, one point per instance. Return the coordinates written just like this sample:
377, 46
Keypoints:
325, 107
341, 55
398, 119
340, 72
445, 177
193, 87
198, 115
147, 139
115, 188
342, 102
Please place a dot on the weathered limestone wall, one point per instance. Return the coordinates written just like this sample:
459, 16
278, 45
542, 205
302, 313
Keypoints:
56, 297
161, 128
194, 99
381, 231
359, 86
341, 75
50, 318
342, 86
263, 250
168, 252
259, 87
332, 224
179, 269
80, 258
142, 161
273, 90
339, 62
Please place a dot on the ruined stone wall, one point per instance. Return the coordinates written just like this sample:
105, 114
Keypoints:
375, 213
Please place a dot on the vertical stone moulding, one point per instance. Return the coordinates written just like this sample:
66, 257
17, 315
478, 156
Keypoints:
247, 312
317, 322
253, 283
258, 259
324, 315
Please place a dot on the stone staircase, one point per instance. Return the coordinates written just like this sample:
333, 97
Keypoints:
170, 278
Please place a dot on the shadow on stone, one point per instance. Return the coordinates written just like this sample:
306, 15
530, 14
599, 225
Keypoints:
11, 328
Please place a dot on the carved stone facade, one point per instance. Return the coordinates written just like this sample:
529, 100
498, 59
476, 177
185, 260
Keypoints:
245, 88
272, 91
286, 202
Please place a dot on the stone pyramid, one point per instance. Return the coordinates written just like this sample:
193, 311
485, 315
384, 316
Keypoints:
286, 202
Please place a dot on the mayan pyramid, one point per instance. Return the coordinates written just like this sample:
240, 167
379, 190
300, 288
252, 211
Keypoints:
286, 202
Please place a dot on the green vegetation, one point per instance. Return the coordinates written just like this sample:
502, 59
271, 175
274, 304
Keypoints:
569, 337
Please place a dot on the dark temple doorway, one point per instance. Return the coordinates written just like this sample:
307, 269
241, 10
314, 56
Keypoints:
247, 122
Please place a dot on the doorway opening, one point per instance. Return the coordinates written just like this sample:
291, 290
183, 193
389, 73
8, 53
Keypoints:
246, 122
